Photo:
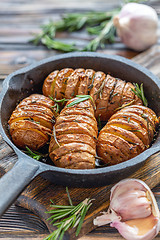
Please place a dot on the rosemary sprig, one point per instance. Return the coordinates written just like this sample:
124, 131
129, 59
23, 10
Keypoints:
65, 217
97, 23
34, 154
80, 98
58, 103
58, 45
140, 93
107, 34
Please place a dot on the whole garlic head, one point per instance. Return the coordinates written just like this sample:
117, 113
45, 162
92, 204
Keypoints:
137, 26
133, 211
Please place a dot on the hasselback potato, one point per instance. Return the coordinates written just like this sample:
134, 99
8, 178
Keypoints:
127, 133
73, 144
108, 93
32, 121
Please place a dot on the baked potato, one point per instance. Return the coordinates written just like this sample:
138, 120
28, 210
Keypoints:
73, 142
32, 121
127, 133
108, 93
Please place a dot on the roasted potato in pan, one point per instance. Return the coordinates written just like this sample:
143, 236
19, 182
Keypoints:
73, 144
32, 121
108, 93
128, 133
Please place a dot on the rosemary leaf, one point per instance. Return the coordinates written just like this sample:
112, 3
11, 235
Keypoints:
69, 198
34, 154
57, 45
81, 98
140, 93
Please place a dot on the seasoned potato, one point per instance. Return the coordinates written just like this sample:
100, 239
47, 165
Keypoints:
73, 144
128, 133
108, 93
32, 121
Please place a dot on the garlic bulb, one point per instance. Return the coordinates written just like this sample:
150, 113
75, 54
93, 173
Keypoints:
137, 26
133, 211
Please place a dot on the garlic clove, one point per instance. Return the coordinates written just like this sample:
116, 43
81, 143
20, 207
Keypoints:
137, 26
133, 211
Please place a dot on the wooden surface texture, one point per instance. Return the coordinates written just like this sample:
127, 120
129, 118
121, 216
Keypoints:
18, 21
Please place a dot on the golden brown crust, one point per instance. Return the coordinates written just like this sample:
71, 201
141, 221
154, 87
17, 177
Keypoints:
32, 121
126, 134
62, 82
77, 118
98, 80
73, 83
131, 126
75, 135
49, 84
102, 102
85, 82
70, 138
76, 160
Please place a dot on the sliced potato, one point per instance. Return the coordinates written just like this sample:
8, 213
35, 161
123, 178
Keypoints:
75, 136
76, 160
85, 82
102, 102
32, 118
61, 83
73, 83
49, 84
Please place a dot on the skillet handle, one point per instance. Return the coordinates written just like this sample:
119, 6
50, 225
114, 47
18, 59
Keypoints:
14, 181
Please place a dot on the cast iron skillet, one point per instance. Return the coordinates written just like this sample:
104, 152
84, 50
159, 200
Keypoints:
29, 80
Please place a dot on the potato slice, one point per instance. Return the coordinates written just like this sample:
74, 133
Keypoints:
49, 84
77, 118
72, 147
102, 102
61, 82
73, 83
69, 138
74, 127
115, 98
128, 149
128, 136
85, 82
76, 160
98, 80
129, 115
131, 126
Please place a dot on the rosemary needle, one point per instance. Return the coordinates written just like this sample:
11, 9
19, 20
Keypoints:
65, 217
80, 98
33, 154
140, 93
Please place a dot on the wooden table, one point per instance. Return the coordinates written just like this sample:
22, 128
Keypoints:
18, 21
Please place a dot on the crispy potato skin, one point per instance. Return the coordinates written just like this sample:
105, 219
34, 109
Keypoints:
32, 121
108, 93
127, 133
73, 144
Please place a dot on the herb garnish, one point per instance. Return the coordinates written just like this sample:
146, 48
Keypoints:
80, 98
65, 217
97, 23
140, 93
57, 102
34, 154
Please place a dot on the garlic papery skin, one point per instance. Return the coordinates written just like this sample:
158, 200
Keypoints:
137, 26
133, 211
